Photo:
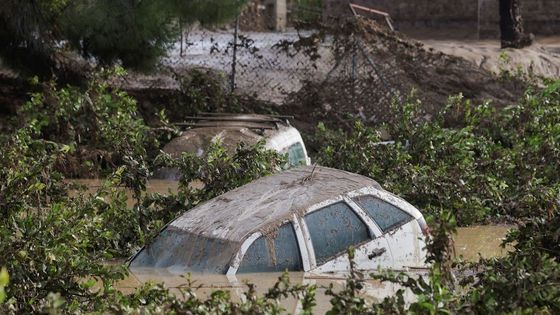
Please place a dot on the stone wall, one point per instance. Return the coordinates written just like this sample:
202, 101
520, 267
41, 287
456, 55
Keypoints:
456, 18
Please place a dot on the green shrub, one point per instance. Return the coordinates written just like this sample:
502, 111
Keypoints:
482, 164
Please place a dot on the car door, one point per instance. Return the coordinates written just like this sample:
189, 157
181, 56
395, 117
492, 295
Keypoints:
399, 228
330, 229
278, 252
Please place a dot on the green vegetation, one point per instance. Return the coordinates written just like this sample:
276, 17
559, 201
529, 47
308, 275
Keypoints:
54, 246
470, 164
133, 33
481, 163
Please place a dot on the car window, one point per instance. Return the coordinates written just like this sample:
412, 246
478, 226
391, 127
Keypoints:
386, 215
177, 248
296, 154
333, 229
276, 254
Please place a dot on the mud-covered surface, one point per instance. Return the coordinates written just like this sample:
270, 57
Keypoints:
389, 67
347, 81
540, 59
266, 203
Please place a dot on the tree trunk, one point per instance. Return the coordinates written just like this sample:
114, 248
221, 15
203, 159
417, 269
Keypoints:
511, 25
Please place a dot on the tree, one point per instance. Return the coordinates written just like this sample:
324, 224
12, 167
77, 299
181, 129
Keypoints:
37, 34
511, 25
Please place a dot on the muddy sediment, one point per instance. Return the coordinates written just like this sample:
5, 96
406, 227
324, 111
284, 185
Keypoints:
394, 67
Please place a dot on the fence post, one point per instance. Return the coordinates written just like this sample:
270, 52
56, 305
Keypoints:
182, 37
234, 61
354, 72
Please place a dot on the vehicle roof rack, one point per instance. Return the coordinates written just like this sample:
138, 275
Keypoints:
235, 120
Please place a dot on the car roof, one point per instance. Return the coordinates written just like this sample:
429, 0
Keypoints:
265, 204
229, 129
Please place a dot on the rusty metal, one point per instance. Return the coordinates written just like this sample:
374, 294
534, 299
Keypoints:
287, 117
226, 124
239, 118
385, 15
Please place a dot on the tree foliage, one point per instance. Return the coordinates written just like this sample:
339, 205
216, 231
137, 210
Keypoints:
478, 162
135, 33
55, 245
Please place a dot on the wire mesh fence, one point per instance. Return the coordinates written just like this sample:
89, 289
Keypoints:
349, 68
260, 64
273, 65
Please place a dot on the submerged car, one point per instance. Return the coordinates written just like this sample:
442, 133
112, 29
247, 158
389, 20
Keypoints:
303, 219
232, 129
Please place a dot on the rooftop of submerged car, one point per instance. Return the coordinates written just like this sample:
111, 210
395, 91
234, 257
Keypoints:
231, 129
266, 203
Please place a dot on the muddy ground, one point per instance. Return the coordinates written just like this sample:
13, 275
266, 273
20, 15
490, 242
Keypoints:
323, 90
540, 59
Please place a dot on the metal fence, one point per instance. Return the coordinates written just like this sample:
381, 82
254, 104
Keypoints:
272, 66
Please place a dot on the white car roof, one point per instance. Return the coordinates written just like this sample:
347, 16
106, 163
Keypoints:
232, 129
265, 204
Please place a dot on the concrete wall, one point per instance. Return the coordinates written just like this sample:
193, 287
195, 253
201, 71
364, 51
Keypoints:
456, 18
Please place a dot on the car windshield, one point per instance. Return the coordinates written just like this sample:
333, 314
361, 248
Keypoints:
175, 248
296, 154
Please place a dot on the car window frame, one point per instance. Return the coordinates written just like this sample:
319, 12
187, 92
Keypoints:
302, 233
373, 230
391, 228
387, 197
236, 261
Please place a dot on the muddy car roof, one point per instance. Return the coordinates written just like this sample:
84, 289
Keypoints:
265, 204
229, 129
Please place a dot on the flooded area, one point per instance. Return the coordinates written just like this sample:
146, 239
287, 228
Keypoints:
164, 187
541, 59
204, 285
470, 243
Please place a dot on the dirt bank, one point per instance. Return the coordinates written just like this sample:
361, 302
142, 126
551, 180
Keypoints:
541, 59
392, 66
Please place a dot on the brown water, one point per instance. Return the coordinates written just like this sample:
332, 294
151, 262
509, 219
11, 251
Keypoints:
485, 241
469, 243
374, 291
164, 187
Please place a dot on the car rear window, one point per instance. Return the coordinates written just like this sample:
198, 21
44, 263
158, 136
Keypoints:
175, 248
386, 215
296, 154
333, 229
276, 253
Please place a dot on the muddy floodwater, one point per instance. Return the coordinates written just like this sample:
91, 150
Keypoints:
374, 291
163, 187
470, 243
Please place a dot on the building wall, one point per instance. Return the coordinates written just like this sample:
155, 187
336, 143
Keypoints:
456, 18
